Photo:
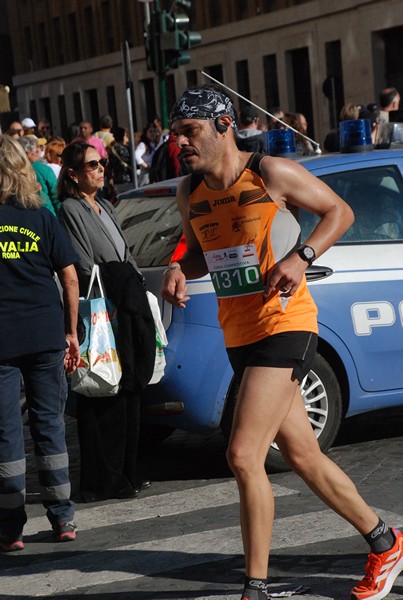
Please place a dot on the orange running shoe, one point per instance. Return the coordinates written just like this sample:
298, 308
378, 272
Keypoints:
381, 571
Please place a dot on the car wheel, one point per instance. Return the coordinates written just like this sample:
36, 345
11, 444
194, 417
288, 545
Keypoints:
323, 402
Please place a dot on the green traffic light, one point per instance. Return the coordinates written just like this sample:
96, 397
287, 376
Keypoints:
167, 41
194, 38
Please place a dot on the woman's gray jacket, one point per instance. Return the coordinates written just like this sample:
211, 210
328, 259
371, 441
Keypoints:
90, 237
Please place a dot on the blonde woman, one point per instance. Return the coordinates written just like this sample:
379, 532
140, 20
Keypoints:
38, 341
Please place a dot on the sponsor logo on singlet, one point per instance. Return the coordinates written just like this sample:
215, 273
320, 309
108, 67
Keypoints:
198, 209
254, 196
221, 201
209, 232
237, 222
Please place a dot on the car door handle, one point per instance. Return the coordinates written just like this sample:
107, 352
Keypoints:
315, 272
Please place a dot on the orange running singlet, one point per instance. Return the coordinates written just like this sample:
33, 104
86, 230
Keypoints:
243, 233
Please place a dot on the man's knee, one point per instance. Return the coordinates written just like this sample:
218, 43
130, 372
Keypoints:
242, 459
238, 458
303, 460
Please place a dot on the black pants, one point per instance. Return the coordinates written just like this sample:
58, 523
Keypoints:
108, 433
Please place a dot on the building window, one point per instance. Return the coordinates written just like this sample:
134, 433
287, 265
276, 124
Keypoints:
299, 84
387, 49
44, 111
333, 84
242, 80
111, 103
28, 47
215, 71
78, 110
148, 99
191, 77
43, 45
240, 10
58, 41
89, 31
62, 115
394, 57
108, 29
32, 110
92, 104
171, 93
126, 17
271, 81
214, 14
73, 37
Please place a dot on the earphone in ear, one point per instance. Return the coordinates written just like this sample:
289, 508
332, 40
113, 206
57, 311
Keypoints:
221, 128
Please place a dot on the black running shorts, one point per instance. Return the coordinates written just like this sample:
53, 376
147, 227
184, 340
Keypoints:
294, 349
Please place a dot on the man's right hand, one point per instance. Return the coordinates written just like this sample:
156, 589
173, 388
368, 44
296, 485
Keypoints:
173, 288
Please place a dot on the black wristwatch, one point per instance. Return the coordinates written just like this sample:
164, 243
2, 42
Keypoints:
307, 253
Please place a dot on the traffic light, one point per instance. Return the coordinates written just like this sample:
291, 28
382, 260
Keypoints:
176, 40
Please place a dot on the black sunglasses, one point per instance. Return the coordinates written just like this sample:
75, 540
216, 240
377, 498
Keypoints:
94, 164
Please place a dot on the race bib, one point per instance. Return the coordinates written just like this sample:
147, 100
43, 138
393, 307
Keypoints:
235, 271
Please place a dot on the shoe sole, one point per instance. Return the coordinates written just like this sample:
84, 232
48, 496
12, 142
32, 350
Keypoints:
66, 537
14, 547
393, 575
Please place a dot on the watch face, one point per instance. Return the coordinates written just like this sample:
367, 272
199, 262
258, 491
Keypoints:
309, 253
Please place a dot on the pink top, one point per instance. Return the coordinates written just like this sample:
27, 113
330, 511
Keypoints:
96, 142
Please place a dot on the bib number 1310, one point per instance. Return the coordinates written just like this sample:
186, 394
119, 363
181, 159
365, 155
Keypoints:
237, 282
235, 271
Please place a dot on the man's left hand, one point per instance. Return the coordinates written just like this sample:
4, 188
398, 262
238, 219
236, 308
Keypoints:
285, 277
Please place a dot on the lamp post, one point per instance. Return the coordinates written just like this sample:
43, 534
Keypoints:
127, 70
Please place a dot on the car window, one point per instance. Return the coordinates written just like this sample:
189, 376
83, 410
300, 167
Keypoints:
152, 228
376, 197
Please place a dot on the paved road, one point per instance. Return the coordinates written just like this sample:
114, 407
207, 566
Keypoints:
180, 540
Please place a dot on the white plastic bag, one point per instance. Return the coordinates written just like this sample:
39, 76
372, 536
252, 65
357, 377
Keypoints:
99, 371
161, 339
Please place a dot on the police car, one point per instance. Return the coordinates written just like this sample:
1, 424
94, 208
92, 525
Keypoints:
357, 286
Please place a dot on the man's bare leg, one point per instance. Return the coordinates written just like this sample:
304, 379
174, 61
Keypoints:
270, 407
265, 397
299, 446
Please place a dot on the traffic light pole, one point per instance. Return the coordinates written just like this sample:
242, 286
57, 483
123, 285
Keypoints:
162, 84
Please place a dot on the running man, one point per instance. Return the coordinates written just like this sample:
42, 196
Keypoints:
238, 226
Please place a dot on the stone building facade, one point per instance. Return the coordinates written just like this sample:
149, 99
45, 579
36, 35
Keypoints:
309, 56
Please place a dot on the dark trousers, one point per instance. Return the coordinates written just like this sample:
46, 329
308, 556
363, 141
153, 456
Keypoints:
46, 392
108, 433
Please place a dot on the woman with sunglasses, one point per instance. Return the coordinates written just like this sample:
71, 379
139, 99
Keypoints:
107, 427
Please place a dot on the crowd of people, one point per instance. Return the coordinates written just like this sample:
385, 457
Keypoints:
270, 329
112, 142
251, 132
